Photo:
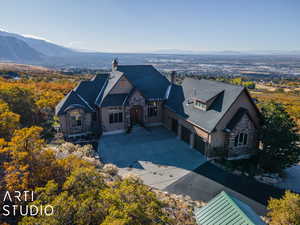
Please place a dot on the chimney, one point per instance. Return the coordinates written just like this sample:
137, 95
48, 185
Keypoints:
115, 64
173, 74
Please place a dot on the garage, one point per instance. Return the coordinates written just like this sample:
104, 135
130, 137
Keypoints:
199, 144
174, 126
185, 134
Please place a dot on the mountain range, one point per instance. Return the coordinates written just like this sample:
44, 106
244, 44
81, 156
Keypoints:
22, 49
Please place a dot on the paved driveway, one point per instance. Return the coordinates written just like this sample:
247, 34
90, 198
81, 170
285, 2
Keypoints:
291, 179
155, 154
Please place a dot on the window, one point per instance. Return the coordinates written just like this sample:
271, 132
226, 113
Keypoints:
240, 139
200, 105
75, 121
76, 118
152, 109
116, 117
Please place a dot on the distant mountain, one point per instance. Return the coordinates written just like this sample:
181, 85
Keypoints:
42, 46
191, 52
14, 49
17, 48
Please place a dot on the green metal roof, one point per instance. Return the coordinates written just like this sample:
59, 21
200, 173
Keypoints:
225, 209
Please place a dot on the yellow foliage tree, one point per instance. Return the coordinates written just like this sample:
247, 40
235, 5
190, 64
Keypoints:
9, 121
23, 149
285, 211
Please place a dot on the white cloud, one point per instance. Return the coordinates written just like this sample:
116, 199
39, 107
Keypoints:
36, 37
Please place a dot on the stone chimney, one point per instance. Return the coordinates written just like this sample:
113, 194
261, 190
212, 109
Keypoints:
115, 64
173, 75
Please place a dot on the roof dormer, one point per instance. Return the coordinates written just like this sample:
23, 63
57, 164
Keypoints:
200, 105
203, 99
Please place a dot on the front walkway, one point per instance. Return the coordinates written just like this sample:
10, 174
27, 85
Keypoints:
155, 154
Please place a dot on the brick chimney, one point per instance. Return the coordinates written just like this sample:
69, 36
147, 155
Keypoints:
115, 64
173, 75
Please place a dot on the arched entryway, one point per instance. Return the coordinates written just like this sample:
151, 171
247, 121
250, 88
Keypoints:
136, 115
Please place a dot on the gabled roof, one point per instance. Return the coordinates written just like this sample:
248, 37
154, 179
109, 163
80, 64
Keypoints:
145, 78
83, 95
225, 94
225, 209
72, 100
111, 82
237, 117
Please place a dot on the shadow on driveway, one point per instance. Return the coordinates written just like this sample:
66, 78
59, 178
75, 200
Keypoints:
203, 184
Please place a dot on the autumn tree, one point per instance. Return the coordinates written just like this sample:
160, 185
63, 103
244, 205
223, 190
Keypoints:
85, 198
9, 121
279, 137
20, 101
31, 163
78, 202
285, 211
22, 149
130, 202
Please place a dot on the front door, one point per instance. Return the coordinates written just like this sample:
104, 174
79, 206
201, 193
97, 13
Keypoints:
136, 115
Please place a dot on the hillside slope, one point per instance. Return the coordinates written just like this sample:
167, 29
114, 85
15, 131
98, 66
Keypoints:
42, 46
15, 49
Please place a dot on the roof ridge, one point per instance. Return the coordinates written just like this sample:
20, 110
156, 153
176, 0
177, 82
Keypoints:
214, 81
102, 89
85, 101
229, 198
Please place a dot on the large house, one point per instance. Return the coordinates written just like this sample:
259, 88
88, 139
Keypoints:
215, 118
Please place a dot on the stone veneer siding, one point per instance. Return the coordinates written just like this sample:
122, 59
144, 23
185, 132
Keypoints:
66, 123
245, 125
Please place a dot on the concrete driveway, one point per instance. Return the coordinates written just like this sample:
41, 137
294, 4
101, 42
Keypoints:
155, 154
291, 179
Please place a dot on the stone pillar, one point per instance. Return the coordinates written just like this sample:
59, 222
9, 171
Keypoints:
179, 131
192, 140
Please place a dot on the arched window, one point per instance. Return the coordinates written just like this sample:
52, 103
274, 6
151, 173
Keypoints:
241, 139
76, 118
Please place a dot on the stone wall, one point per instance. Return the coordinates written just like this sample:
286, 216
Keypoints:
105, 112
66, 127
245, 125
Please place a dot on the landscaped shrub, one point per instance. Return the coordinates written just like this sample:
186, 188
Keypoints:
110, 169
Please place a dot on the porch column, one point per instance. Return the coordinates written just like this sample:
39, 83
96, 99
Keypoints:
179, 131
192, 140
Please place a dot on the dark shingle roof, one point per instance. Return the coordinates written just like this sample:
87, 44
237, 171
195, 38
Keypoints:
111, 81
114, 100
84, 95
226, 209
72, 100
207, 120
151, 83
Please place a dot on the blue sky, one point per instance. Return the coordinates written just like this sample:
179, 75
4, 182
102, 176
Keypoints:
147, 25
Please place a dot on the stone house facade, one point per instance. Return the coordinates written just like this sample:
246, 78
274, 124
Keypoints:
216, 118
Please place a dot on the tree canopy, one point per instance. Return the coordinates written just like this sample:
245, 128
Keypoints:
285, 211
279, 137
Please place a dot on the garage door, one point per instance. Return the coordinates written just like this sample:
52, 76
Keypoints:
199, 144
185, 134
174, 126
